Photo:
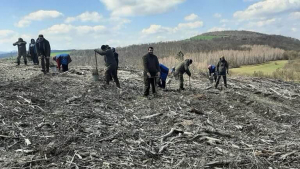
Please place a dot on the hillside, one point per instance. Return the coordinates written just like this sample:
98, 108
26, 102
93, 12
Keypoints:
231, 44
69, 121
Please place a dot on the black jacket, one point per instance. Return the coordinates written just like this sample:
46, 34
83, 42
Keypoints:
43, 47
222, 67
151, 64
109, 57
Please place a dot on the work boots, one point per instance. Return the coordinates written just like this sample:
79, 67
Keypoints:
18, 63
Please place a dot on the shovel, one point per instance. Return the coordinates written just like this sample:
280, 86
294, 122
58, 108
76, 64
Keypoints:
190, 82
96, 62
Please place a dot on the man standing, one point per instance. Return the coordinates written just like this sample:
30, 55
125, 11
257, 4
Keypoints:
164, 71
43, 51
181, 69
63, 61
32, 52
222, 69
21, 50
110, 63
212, 73
151, 71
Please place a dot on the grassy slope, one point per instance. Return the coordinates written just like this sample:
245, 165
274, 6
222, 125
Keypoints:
57, 53
266, 68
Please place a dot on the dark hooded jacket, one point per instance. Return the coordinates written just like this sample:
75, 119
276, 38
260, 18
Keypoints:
21, 46
151, 64
109, 57
222, 67
183, 68
32, 48
43, 47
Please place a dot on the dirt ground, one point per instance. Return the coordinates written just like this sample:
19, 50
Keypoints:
70, 121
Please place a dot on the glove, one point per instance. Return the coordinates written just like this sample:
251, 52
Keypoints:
148, 74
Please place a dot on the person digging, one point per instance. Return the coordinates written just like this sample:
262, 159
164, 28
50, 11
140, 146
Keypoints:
180, 70
110, 63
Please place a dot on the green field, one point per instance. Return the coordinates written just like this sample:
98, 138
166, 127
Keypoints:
57, 53
205, 37
266, 68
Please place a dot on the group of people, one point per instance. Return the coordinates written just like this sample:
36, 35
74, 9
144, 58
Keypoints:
41, 49
156, 73
216, 72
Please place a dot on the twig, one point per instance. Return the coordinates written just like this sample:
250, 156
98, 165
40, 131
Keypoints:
151, 116
219, 163
284, 156
109, 137
172, 131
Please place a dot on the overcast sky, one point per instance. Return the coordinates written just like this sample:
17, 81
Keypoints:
87, 24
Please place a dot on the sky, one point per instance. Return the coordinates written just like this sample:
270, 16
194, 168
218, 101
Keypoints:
87, 24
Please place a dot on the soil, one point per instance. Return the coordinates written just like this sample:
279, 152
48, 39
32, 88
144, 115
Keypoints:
67, 120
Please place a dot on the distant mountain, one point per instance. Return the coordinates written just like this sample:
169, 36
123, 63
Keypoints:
14, 53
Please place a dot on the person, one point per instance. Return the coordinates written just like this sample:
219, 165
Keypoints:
43, 50
21, 50
151, 71
63, 61
116, 55
180, 56
110, 63
181, 69
222, 69
212, 73
164, 71
32, 52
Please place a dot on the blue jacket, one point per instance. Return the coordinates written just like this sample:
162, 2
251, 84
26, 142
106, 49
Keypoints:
164, 71
212, 69
65, 59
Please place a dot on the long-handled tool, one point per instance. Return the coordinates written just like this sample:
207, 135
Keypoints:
190, 82
96, 62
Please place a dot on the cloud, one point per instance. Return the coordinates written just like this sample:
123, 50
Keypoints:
190, 25
119, 23
217, 15
295, 15
154, 29
294, 29
191, 17
70, 29
6, 33
214, 29
267, 8
139, 7
37, 16
264, 22
86, 17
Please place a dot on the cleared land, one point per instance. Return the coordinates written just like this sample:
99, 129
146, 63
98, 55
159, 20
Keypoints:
69, 121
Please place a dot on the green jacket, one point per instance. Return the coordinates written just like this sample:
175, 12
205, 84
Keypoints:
151, 64
21, 47
109, 57
183, 67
